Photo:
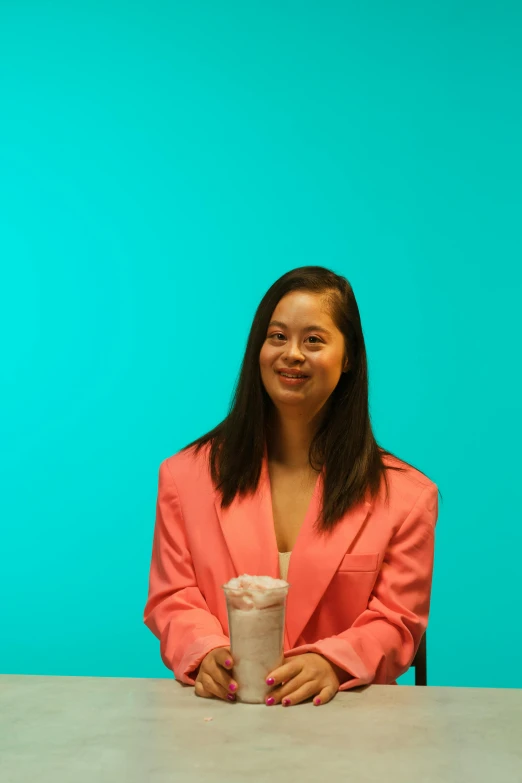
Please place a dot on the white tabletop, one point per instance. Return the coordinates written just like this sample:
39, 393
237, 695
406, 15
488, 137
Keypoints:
83, 730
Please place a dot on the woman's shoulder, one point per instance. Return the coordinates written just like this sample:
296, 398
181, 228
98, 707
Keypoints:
189, 466
406, 480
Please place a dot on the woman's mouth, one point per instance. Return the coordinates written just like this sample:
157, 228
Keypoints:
289, 379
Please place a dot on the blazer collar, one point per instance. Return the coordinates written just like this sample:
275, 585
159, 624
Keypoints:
248, 529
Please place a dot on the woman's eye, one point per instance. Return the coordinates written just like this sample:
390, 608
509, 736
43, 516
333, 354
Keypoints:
280, 336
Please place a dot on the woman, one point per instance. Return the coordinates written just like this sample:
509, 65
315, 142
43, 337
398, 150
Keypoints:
293, 484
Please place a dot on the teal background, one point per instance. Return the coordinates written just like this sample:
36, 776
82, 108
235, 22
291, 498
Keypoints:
161, 165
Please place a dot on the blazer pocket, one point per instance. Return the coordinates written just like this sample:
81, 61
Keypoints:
360, 562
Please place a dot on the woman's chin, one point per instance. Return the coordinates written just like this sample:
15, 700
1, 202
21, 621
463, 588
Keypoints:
289, 398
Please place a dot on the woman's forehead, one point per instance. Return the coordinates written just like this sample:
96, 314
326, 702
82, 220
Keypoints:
299, 306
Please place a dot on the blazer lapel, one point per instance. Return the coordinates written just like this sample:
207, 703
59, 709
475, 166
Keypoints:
315, 559
248, 529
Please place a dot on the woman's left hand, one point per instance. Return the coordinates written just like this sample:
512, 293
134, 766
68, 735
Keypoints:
304, 676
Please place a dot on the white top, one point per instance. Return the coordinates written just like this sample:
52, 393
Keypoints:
284, 562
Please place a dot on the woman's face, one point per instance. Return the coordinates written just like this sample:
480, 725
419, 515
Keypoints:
302, 341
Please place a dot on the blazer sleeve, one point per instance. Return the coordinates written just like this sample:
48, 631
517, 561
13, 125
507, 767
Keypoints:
383, 640
176, 611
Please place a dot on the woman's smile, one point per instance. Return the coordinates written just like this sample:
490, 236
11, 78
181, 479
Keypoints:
291, 379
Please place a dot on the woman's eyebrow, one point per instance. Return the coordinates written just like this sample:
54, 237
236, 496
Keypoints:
311, 328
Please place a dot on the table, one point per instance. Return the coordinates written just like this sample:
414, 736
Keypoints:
96, 730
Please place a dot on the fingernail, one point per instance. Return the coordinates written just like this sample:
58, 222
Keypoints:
317, 701
232, 686
231, 697
270, 681
228, 662
270, 701
286, 702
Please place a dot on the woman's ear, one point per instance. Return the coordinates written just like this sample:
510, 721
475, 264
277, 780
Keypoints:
346, 365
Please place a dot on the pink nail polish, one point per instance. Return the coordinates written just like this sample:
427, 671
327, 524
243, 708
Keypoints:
228, 662
270, 681
286, 702
232, 687
317, 701
231, 697
270, 701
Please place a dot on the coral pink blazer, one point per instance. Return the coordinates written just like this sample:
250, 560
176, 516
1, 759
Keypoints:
359, 596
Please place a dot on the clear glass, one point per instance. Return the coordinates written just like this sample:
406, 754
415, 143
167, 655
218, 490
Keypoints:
256, 621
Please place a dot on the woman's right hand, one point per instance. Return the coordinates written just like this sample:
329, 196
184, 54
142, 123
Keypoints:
214, 679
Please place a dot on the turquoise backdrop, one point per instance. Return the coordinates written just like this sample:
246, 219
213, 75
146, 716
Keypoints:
161, 164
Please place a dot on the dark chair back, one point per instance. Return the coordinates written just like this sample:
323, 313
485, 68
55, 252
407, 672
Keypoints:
421, 664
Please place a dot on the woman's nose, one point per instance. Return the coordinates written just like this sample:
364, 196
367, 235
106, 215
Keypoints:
293, 352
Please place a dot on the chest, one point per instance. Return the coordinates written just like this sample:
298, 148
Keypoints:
291, 497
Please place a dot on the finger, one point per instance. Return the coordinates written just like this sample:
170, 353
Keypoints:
289, 687
213, 687
224, 663
304, 692
326, 695
221, 677
224, 659
199, 690
211, 690
289, 669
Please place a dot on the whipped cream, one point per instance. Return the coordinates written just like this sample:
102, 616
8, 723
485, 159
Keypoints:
255, 592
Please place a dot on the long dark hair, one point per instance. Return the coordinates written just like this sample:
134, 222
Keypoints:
344, 443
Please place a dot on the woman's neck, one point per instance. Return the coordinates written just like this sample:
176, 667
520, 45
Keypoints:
289, 439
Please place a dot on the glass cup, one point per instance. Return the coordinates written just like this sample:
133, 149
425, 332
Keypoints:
256, 621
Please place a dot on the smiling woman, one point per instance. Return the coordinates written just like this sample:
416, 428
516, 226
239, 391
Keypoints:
293, 478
